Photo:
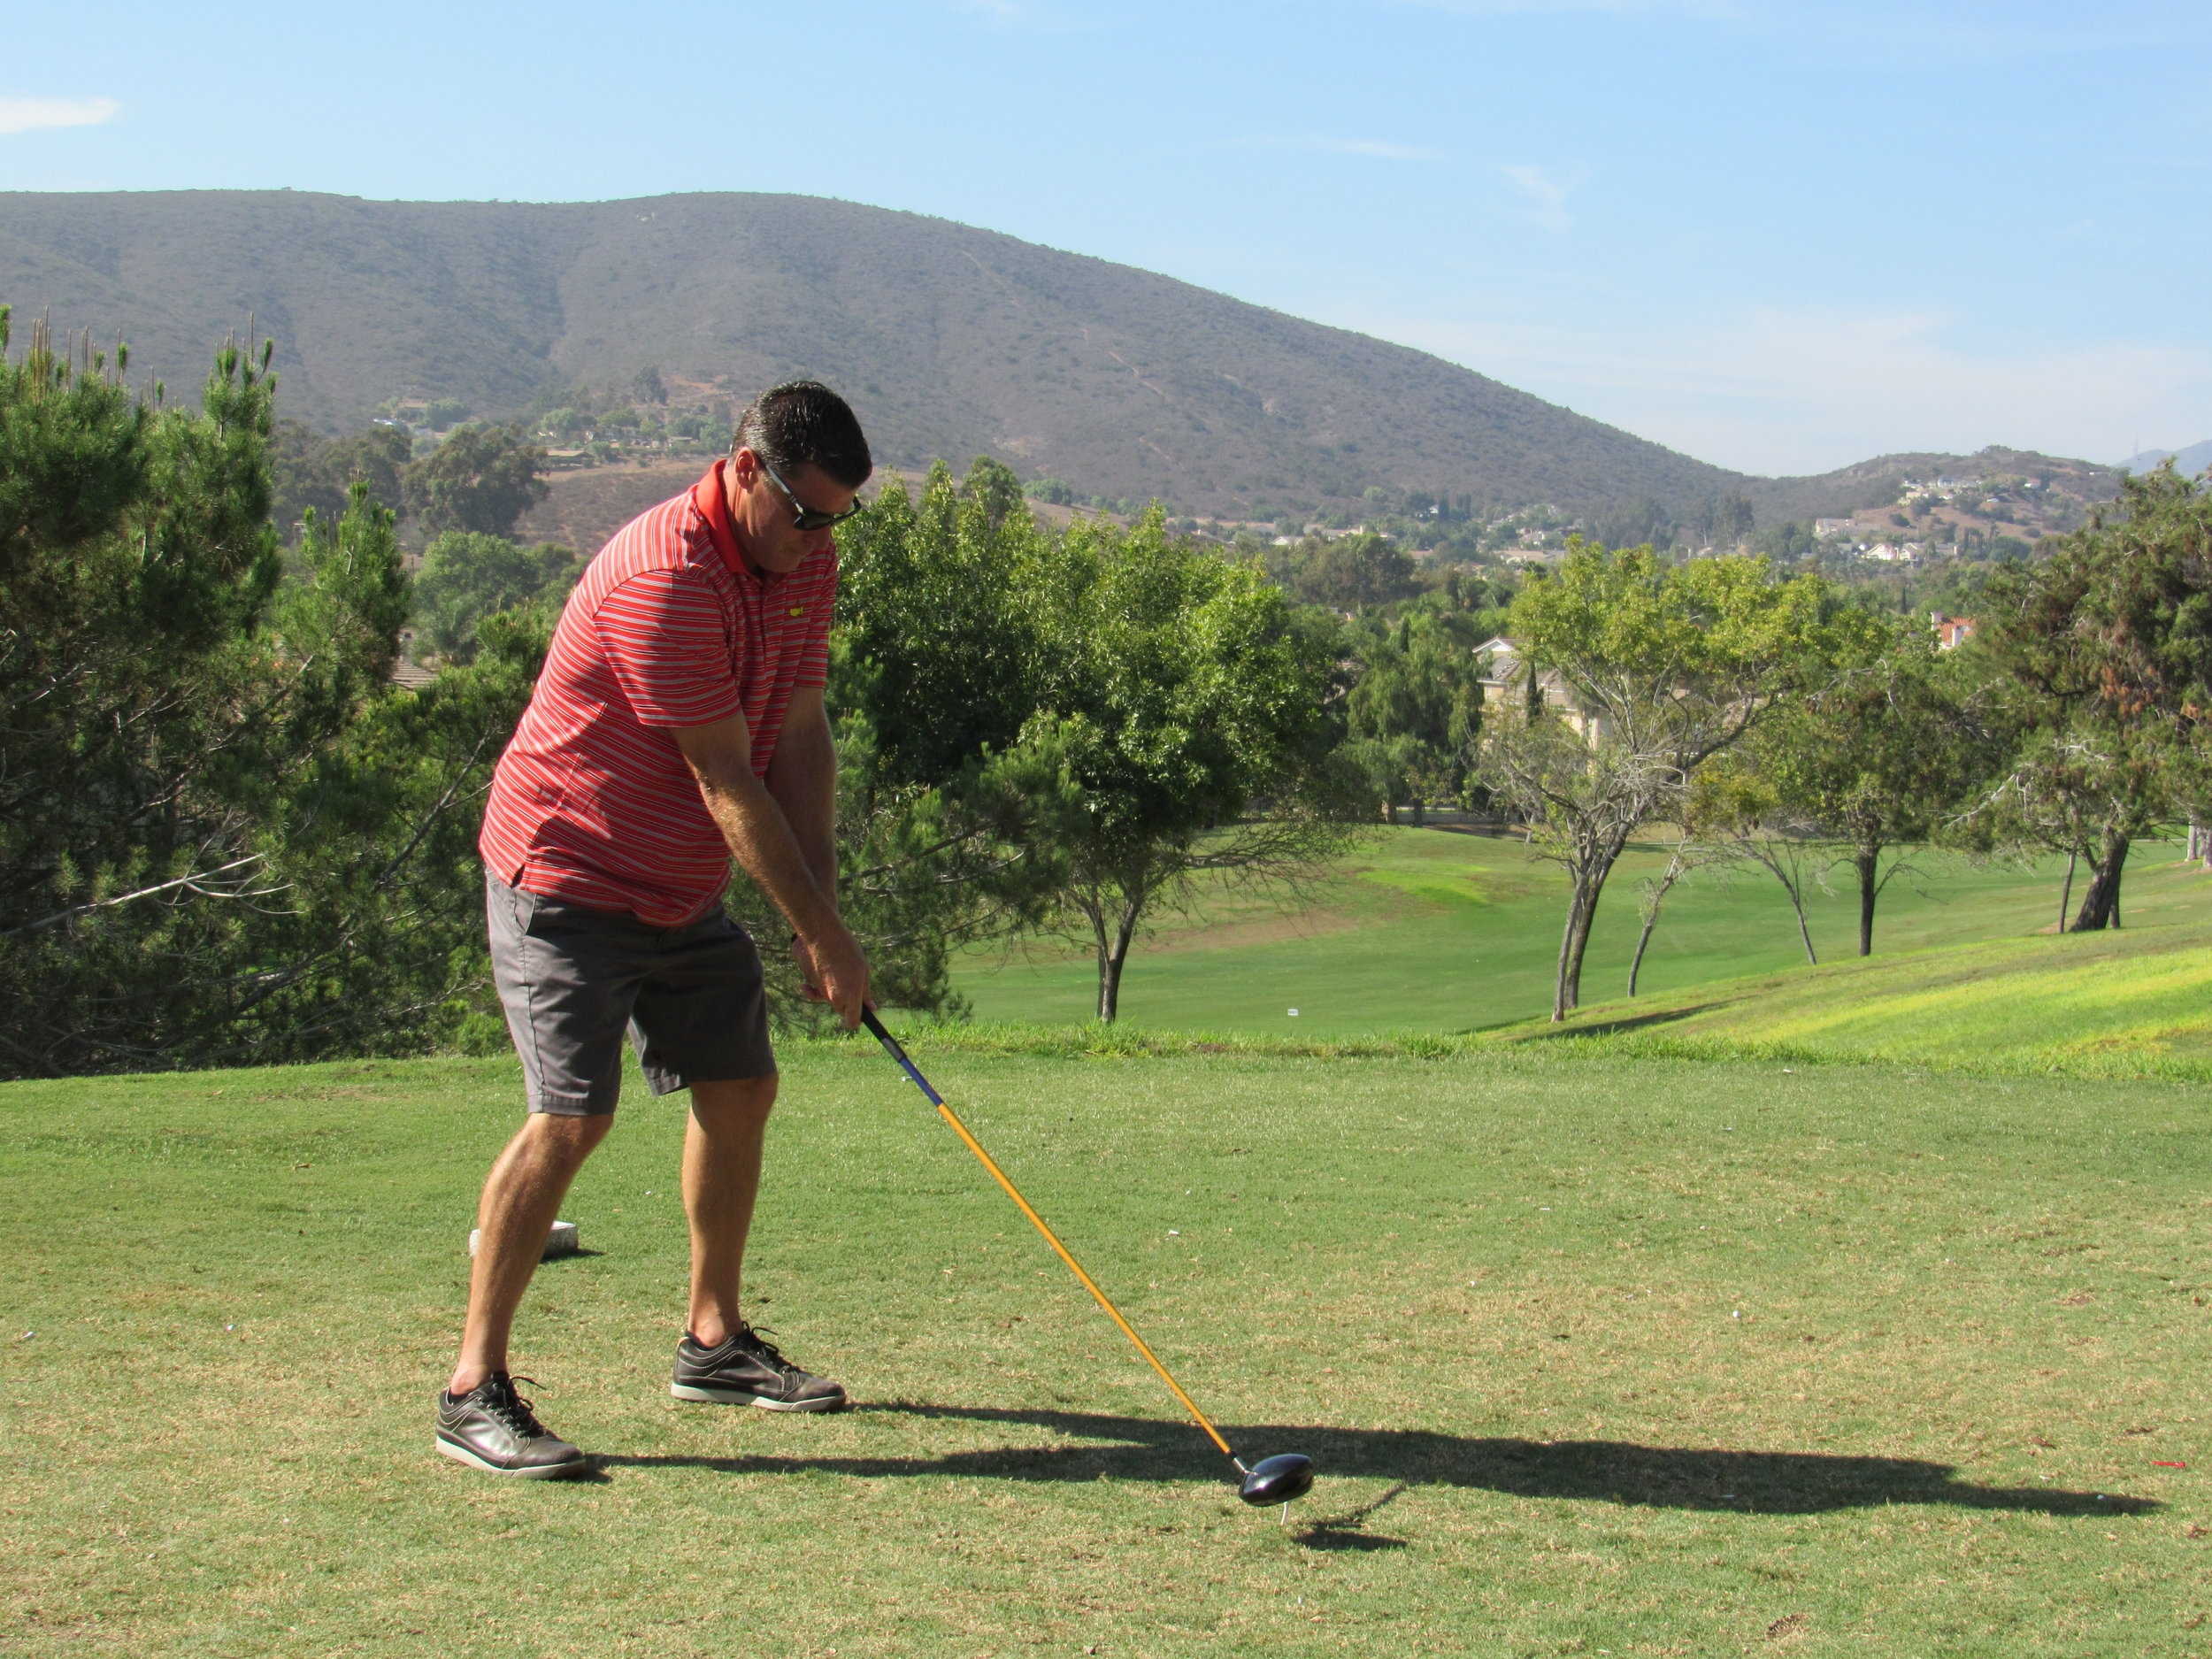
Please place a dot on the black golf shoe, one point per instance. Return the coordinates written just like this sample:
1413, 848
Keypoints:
747, 1370
493, 1428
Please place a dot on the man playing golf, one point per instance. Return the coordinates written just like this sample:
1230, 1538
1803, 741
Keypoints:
678, 723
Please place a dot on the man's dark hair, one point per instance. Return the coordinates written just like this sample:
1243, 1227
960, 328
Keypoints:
802, 423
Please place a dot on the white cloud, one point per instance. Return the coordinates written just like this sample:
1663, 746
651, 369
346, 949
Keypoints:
1373, 149
1547, 190
1796, 391
32, 115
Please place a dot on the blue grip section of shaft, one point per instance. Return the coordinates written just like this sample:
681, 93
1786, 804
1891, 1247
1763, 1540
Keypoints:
891, 1046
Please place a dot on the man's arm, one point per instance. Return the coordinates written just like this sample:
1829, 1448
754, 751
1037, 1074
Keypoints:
775, 853
802, 781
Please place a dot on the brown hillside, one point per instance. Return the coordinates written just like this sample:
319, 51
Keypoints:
952, 341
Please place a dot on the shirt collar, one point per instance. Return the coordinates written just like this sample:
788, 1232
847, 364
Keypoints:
710, 495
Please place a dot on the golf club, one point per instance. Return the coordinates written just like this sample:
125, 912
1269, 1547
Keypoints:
1276, 1479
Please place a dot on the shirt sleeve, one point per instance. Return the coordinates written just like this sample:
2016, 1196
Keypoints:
814, 653
669, 648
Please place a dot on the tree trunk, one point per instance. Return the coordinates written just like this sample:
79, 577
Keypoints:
2066, 893
1781, 872
1576, 939
1109, 975
1113, 956
1803, 932
1867, 860
1635, 962
1673, 873
2101, 905
1572, 941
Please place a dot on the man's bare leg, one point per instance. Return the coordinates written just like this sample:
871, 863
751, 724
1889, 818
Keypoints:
722, 1153
522, 1198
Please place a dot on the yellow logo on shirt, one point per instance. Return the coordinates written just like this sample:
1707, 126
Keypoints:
798, 610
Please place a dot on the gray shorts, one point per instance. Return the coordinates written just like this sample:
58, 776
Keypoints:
571, 979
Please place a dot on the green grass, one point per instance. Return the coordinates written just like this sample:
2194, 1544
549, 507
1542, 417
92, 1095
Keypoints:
1601, 1355
1433, 931
2123, 1006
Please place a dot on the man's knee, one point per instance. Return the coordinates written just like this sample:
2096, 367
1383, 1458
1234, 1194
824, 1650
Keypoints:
733, 1100
560, 1138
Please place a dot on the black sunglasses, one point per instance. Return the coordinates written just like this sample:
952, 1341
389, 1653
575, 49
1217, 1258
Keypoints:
806, 517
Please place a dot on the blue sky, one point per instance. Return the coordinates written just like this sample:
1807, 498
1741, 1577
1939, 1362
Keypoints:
1779, 236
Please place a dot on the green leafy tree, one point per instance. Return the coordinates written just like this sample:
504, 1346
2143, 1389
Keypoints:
1645, 671
317, 472
1414, 712
482, 478
1182, 706
1347, 572
1073, 725
1881, 758
2071, 782
227, 835
940, 836
135, 560
997, 488
2108, 642
378, 947
466, 576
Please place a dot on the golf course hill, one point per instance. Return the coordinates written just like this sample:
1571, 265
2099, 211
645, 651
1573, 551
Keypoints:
952, 341
2129, 1004
1438, 945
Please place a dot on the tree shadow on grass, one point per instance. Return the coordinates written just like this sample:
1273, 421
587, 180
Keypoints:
1091, 1445
1614, 1027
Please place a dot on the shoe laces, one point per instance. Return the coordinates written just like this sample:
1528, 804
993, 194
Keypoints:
511, 1408
755, 1341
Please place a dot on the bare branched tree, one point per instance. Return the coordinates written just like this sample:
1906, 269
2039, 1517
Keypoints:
1643, 672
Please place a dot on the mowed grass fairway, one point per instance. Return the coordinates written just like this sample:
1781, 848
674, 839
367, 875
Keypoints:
1596, 1355
1437, 931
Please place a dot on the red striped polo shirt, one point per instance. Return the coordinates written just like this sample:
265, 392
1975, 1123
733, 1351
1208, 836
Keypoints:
592, 803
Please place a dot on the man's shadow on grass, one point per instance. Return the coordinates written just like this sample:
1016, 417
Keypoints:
1091, 1445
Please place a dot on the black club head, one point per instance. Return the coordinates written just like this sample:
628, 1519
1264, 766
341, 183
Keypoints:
1278, 1479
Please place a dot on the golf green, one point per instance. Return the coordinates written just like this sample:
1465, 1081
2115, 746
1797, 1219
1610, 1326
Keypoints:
1433, 930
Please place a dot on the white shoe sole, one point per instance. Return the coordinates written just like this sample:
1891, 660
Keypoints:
539, 1471
740, 1397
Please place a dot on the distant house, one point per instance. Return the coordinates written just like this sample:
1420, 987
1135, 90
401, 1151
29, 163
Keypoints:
1897, 552
1832, 526
1951, 631
1505, 683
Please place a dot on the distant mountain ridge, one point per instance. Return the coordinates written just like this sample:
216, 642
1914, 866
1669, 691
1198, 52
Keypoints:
2188, 462
952, 341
